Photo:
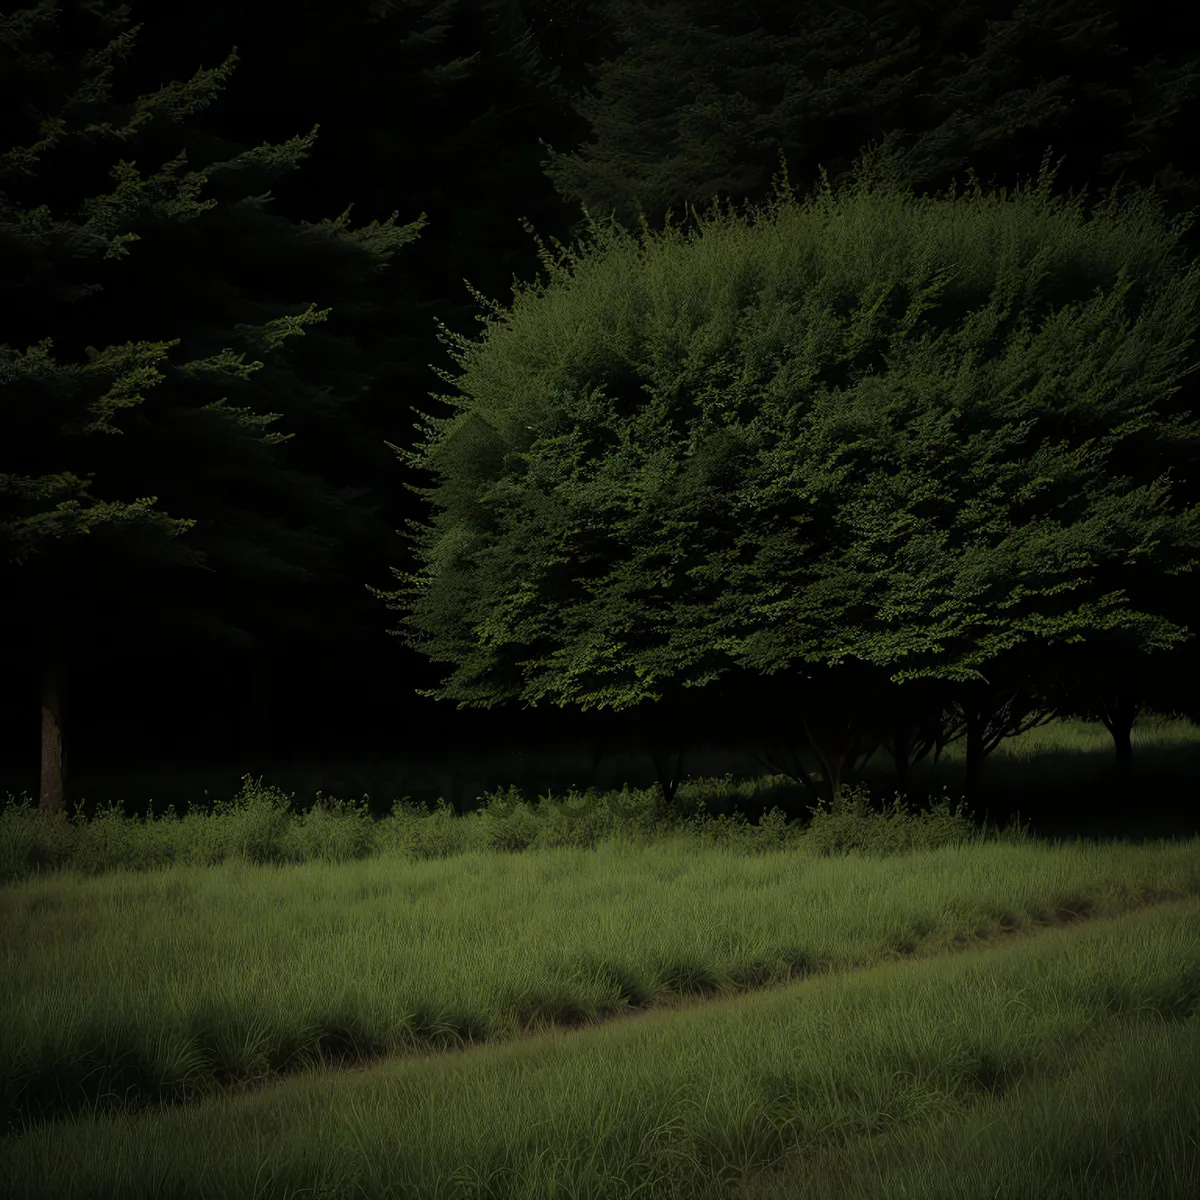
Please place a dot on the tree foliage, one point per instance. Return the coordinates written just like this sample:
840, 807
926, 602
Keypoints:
868, 429
149, 255
43, 399
195, 266
696, 100
689, 101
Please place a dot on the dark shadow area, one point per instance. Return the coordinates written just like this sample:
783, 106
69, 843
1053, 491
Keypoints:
1060, 794
1063, 794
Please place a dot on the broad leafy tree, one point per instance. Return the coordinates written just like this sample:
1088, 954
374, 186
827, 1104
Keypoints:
690, 101
870, 429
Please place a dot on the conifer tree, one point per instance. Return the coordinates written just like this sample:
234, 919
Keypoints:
150, 258
695, 101
362, 69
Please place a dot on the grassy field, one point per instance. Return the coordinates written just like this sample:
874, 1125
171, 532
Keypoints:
584, 999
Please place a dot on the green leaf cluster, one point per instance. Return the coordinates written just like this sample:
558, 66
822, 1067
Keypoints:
871, 427
189, 254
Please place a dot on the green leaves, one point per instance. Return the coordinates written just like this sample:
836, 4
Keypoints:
192, 254
26, 527
890, 459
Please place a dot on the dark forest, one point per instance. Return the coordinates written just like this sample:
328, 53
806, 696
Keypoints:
367, 169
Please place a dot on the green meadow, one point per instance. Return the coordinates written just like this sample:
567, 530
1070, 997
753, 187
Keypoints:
594, 996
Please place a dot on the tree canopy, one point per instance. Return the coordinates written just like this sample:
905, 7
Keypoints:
214, 272
868, 428
696, 100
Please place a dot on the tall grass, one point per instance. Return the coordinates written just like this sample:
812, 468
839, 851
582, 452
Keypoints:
637, 1003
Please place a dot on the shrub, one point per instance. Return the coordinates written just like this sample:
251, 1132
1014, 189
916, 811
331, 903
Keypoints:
111, 840
414, 832
774, 831
508, 822
332, 831
31, 841
558, 825
254, 824
850, 825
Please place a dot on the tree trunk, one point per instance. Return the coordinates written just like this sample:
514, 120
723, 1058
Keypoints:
1124, 746
52, 796
785, 760
651, 733
1120, 709
832, 746
902, 743
667, 780
977, 720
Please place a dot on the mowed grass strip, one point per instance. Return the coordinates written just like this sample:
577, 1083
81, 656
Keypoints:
193, 978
